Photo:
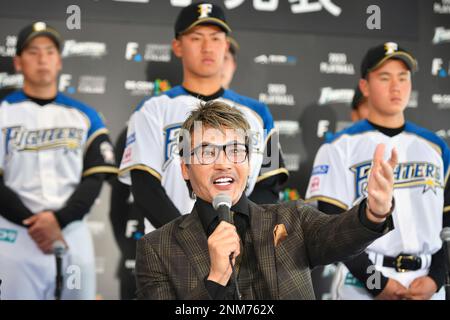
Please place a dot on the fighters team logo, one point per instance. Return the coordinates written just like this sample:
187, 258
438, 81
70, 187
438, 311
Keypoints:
390, 47
406, 175
204, 10
21, 139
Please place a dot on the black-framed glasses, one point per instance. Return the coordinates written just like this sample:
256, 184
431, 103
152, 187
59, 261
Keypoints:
209, 153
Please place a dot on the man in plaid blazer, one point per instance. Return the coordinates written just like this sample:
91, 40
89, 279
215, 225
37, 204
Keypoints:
272, 247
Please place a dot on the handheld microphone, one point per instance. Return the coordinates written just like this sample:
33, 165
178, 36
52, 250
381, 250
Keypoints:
59, 248
222, 204
445, 237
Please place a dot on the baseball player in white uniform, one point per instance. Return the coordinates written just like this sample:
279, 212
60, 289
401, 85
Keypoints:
407, 263
151, 154
54, 155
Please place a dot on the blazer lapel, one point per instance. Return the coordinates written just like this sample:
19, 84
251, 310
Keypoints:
193, 241
262, 223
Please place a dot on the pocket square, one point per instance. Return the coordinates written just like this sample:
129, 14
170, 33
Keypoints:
279, 234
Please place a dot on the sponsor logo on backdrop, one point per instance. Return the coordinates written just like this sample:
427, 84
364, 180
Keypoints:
146, 88
74, 48
86, 84
13, 81
328, 95
8, 49
152, 52
439, 68
275, 59
413, 100
289, 194
441, 100
292, 161
441, 35
277, 95
337, 64
287, 127
443, 133
441, 7
296, 6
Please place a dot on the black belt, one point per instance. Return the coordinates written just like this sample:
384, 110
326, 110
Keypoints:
403, 262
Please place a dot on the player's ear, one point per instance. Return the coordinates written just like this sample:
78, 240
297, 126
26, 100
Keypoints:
184, 170
17, 63
176, 47
364, 87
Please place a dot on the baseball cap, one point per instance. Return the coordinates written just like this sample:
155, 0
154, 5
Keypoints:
33, 30
358, 98
376, 56
200, 13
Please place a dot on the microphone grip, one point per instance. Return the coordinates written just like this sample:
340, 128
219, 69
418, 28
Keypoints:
225, 214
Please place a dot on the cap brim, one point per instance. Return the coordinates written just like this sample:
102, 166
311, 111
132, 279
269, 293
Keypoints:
209, 21
410, 62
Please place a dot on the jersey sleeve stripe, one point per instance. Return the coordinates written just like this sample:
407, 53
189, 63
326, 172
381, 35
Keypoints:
100, 169
143, 168
272, 173
332, 201
446, 209
95, 135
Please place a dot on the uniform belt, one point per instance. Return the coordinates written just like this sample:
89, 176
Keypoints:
403, 262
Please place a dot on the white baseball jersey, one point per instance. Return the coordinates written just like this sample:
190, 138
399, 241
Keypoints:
340, 176
44, 153
152, 140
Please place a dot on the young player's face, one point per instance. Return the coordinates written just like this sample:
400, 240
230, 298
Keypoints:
229, 67
40, 62
202, 51
388, 88
221, 176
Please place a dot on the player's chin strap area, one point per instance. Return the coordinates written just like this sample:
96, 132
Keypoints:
402, 262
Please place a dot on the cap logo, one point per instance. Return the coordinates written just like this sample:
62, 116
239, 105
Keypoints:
390, 47
204, 9
39, 26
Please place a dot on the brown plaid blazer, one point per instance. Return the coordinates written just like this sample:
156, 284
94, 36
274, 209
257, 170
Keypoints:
173, 261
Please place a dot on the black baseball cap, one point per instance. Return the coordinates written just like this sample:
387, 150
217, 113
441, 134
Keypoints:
34, 30
200, 13
376, 56
358, 98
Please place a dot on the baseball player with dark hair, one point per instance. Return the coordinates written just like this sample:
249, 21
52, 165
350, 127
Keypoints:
408, 263
151, 162
54, 155
230, 63
360, 106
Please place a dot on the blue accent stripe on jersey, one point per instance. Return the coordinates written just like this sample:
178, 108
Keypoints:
15, 97
432, 137
357, 128
91, 113
175, 92
260, 108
